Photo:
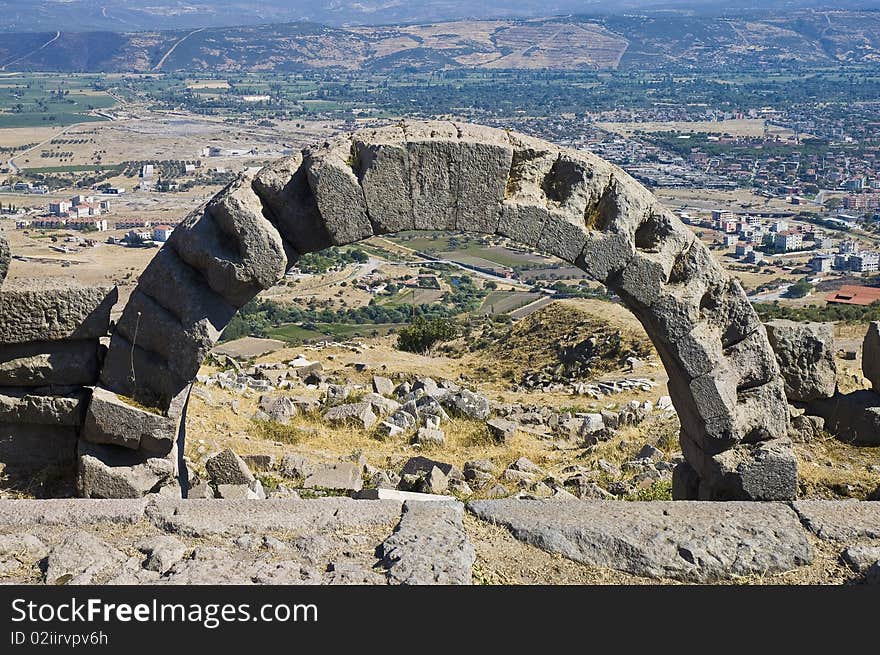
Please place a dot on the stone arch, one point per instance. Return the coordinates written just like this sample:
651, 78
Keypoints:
724, 379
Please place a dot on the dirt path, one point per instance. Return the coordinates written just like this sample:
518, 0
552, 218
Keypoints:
174, 47
25, 56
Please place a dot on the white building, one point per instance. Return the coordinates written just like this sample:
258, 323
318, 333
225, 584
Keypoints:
865, 262
822, 263
788, 240
58, 208
162, 233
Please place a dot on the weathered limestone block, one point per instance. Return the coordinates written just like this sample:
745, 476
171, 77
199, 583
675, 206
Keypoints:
485, 156
434, 166
236, 249
140, 374
871, 355
383, 164
153, 328
288, 202
805, 352
5, 256
53, 310
360, 414
227, 467
524, 210
852, 417
113, 472
338, 193
192, 302
429, 546
26, 449
697, 542
766, 470
25, 405
111, 420
49, 363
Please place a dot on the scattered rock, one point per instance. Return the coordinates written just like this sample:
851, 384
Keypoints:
295, 466
498, 491
806, 428
359, 414
279, 408
860, 558
342, 476
501, 429
805, 353
468, 404
430, 437
383, 386
82, 559
162, 552
228, 468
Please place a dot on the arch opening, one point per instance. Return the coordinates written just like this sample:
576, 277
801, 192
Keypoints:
723, 377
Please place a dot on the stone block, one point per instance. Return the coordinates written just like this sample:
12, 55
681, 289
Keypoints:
112, 420
53, 309
37, 364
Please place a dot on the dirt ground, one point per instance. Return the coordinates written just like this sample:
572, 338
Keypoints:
734, 127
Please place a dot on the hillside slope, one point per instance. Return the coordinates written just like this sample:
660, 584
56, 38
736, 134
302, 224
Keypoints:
642, 42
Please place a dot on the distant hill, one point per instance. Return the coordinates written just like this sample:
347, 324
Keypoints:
646, 42
136, 16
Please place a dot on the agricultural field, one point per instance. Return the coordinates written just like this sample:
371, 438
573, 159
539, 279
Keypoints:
30, 100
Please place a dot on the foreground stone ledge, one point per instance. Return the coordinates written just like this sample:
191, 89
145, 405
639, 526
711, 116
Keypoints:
690, 541
429, 546
840, 520
69, 512
195, 518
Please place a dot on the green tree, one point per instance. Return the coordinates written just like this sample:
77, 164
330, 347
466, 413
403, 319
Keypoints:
422, 334
799, 289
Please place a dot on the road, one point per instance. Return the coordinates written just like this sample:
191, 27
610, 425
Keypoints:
174, 47
11, 163
776, 294
46, 44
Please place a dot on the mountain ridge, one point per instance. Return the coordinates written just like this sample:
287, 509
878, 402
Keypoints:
557, 43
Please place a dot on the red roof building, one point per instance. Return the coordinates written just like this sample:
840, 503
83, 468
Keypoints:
854, 295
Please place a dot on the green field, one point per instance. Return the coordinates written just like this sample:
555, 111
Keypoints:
45, 100
298, 334
504, 302
414, 297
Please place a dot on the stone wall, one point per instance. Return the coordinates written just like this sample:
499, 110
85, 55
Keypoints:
50, 355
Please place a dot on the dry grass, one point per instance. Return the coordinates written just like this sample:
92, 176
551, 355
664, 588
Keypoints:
829, 468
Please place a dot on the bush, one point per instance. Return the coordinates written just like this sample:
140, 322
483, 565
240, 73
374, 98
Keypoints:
799, 289
422, 334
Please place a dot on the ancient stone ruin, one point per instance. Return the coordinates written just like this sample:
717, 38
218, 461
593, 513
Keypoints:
725, 382
50, 334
